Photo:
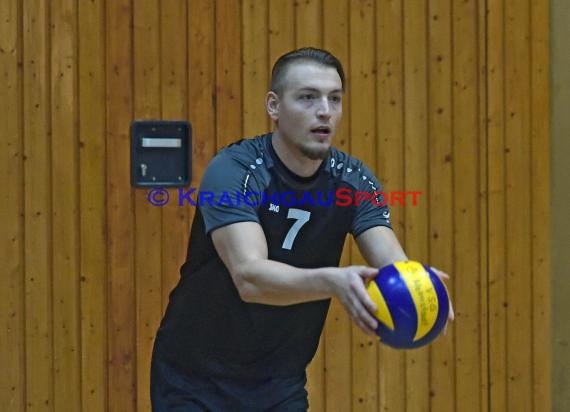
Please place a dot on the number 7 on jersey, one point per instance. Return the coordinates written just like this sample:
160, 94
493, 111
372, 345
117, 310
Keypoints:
302, 217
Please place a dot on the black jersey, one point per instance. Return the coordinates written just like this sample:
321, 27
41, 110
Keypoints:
207, 328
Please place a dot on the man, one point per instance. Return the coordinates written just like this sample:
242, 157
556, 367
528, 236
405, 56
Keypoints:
245, 319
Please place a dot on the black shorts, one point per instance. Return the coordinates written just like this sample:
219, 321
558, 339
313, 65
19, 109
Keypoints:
174, 391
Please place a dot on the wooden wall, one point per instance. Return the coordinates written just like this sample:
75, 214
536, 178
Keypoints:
449, 98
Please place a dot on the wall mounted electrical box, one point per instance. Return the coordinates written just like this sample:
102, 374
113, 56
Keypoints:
161, 153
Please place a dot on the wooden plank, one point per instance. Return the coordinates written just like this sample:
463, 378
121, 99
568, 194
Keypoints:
390, 96
482, 84
202, 84
363, 146
281, 28
416, 155
12, 381
65, 221
148, 218
37, 208
255, 63
228, 72
337, 333
121, 310
93, 251
390, 155
540, 184
440, 196
497, 208
308, 23
518, 175
466, 204
335, 28
174, 94
484, 208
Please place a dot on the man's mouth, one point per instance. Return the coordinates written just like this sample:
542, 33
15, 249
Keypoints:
323, 131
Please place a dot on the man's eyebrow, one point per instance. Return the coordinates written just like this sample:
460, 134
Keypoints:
312, 89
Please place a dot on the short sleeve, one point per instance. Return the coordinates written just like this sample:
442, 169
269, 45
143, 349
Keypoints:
375, 210
228, 193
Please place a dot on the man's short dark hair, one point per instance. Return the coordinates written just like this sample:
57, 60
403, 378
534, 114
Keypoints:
306, 54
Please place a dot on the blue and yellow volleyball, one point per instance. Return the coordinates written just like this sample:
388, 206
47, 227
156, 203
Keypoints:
412, 304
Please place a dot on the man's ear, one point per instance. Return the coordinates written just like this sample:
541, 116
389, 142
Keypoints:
272, 105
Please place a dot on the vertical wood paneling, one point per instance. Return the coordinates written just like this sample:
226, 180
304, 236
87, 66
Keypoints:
518, 199
201, 85
174, 94
391, 166
91, 26
281, 28
440, 195
466, 211
481, 66
228, 72
11, 203
148, 218
308, 23
497, 209
37, 208
540, 183
363, 146
390, 97
121, 307
337, 351
65, 220
255, 74
416, 178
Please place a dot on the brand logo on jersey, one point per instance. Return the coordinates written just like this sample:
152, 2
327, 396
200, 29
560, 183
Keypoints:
273, 208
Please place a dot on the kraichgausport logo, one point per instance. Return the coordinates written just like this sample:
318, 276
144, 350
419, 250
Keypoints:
342, 197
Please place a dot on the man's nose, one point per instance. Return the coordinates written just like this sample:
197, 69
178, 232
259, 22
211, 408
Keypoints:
324, 109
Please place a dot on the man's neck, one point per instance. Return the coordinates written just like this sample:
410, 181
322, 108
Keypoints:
293, 159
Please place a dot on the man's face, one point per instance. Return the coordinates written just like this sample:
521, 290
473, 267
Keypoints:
309, 108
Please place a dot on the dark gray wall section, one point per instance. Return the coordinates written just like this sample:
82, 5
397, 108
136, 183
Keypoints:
560, 190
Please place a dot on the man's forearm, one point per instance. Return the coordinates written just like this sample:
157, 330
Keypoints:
274, 283
380, 247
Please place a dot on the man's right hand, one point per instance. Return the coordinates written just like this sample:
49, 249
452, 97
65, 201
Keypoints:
350, 289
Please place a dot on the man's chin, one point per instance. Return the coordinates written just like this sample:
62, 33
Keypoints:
316, 153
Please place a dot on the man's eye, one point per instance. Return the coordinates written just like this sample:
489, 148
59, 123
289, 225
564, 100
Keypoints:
307, 96
336, 99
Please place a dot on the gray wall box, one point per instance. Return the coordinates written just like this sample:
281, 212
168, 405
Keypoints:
161, 153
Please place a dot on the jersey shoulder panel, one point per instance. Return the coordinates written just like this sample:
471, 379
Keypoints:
348, 169
251, 157
359, 178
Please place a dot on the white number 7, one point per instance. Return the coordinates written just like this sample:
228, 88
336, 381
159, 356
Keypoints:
302, 217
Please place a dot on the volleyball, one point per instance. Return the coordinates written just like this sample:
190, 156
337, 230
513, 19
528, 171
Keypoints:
412, 304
